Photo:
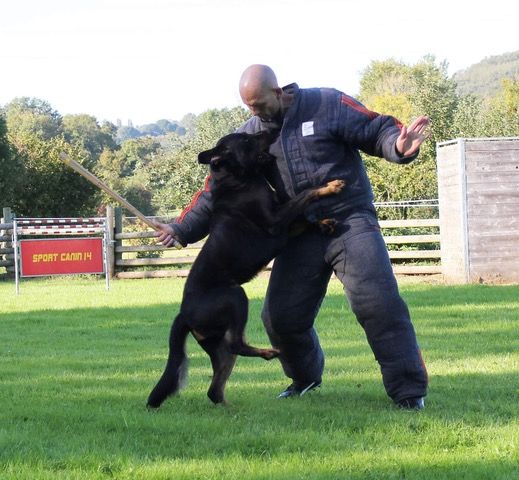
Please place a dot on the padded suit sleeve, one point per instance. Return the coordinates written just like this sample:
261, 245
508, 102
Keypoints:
193, 223
369, 131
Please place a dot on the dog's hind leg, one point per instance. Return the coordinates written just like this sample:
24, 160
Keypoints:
176, 367
238, 319
222, 361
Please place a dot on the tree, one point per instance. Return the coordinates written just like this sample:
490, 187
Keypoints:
167, 127
138, 152
32, 116
124, 171
433, 94
188, 123
84, 132
384, 78
502, 114
125, 133
49, 188
151, 129
12, 171
160, 127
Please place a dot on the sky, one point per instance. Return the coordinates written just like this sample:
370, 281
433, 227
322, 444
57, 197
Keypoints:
161, 59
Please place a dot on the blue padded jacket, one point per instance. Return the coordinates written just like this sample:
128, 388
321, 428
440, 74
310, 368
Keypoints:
322, 132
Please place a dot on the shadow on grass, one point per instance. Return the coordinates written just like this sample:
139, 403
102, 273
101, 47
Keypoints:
453, 295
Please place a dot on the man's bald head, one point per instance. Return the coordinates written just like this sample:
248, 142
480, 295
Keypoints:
257, 78
259, 90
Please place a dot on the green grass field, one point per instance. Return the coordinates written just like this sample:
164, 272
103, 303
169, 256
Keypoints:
77, 363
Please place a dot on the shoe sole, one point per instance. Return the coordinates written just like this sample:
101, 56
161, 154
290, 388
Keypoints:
295, 393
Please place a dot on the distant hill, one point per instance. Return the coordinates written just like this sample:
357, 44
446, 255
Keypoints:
159, 128
484, 78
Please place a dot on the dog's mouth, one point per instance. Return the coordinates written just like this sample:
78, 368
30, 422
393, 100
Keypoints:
265, 157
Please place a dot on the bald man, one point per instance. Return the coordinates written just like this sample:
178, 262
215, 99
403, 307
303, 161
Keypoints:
320, 133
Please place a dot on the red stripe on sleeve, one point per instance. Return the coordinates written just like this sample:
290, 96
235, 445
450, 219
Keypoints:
352, 103
194, 201
398, 123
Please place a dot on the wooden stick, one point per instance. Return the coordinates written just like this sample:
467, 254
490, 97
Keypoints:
93, 179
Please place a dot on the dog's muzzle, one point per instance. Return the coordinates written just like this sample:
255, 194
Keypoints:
265, 157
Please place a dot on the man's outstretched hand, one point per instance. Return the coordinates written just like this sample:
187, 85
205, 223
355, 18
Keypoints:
412, 137
166, 235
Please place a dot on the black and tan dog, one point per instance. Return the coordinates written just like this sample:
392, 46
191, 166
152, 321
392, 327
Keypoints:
248, 229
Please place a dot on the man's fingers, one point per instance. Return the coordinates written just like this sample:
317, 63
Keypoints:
403, 133
169, 240
420, 128
420, 124
173, 242
163, 237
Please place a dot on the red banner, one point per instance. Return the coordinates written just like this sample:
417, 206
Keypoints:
61, 256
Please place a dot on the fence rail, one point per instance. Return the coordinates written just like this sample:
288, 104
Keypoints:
411, 253
6, 249
413, 244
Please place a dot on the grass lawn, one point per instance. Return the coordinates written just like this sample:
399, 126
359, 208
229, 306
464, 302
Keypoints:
77, 364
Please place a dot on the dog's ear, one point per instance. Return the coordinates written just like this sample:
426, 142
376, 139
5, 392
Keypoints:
209, 156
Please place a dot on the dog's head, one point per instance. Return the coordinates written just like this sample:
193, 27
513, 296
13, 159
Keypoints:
239, 154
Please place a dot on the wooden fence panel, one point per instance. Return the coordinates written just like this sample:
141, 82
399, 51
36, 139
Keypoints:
417, 260
132, 255
6, 247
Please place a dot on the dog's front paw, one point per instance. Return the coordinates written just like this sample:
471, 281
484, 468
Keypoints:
327, 226
269, 353
331, 188
335, 186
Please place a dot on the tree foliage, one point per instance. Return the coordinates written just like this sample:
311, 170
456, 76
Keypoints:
176, 175
124, 171
84, 132
50, 189
12, 170
46, 186
502, 114
155, 166
26, 115
484, 79
157, 129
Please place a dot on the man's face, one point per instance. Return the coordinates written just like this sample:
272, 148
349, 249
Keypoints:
265, 104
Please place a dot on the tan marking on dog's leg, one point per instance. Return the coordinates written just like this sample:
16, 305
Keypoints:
331, 188
197, 335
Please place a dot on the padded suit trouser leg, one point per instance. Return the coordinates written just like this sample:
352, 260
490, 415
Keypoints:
358, 255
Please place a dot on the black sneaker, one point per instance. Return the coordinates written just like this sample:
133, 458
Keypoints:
413, 403
295, 390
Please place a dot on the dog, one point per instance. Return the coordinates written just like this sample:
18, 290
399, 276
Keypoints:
249, 227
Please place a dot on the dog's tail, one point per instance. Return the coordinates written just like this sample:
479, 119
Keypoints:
175, 373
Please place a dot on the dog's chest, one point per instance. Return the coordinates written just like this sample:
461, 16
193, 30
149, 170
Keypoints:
254, 204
